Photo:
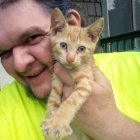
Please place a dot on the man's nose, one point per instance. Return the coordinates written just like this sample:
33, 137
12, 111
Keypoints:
22, 58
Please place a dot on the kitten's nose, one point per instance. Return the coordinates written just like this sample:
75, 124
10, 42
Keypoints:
70, 60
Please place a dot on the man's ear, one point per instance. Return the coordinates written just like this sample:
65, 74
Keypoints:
73, 17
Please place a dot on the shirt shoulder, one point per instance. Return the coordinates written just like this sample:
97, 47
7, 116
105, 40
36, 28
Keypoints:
14, 86
21, 113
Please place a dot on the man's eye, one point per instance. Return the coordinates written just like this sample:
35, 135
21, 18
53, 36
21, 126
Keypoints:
34, 39
6, 54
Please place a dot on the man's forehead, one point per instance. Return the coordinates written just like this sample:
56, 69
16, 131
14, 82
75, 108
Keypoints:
23, 9
17, 23
5, 4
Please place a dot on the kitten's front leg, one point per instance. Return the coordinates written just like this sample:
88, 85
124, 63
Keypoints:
54, 101
58, 125
70, 107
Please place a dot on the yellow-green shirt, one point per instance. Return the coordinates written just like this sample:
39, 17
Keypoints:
21, 113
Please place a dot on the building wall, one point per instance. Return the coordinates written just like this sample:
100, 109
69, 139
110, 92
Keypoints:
91, 10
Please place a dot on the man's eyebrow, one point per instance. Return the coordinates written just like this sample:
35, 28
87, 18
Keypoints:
24, 36
29, 32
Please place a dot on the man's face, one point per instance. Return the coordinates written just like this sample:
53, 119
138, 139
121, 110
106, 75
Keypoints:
24, 48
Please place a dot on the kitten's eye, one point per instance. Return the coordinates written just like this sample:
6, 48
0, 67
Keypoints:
81, 49
6, 54
63, 45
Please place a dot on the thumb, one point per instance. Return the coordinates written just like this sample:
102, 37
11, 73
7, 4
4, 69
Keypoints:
62, 74
99, 75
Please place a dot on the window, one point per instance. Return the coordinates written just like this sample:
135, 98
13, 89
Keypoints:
136, 11
122, 16
122, 21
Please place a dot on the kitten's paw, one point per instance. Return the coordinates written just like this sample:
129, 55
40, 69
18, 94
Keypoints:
50, 114
55, 128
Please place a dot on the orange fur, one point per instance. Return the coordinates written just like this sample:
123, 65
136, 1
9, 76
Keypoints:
73, 47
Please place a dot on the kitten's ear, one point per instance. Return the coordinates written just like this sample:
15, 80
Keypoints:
94, 30
58, 21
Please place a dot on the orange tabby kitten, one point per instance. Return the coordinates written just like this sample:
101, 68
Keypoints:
73, 47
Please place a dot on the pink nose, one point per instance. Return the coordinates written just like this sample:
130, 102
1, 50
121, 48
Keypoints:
70, 60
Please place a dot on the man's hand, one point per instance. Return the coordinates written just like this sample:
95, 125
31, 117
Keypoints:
101, 98
99, 117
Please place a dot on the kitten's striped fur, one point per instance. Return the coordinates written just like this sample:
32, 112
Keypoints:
73, 47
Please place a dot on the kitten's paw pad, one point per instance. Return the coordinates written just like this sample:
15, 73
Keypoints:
56, 128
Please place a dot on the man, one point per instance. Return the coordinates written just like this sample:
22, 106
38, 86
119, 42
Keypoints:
25, 52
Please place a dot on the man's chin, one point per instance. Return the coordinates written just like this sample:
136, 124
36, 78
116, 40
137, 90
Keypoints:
40, 93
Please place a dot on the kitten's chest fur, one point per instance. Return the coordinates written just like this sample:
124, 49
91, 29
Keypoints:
84, 70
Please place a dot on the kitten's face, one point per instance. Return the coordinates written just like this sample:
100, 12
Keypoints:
72, 46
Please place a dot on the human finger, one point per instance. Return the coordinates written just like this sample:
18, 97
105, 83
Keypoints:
99, 75
67, 90
62, 74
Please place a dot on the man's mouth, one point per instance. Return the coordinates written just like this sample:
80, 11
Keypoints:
33, 75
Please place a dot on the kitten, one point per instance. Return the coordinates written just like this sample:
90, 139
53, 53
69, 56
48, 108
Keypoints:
73, 47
